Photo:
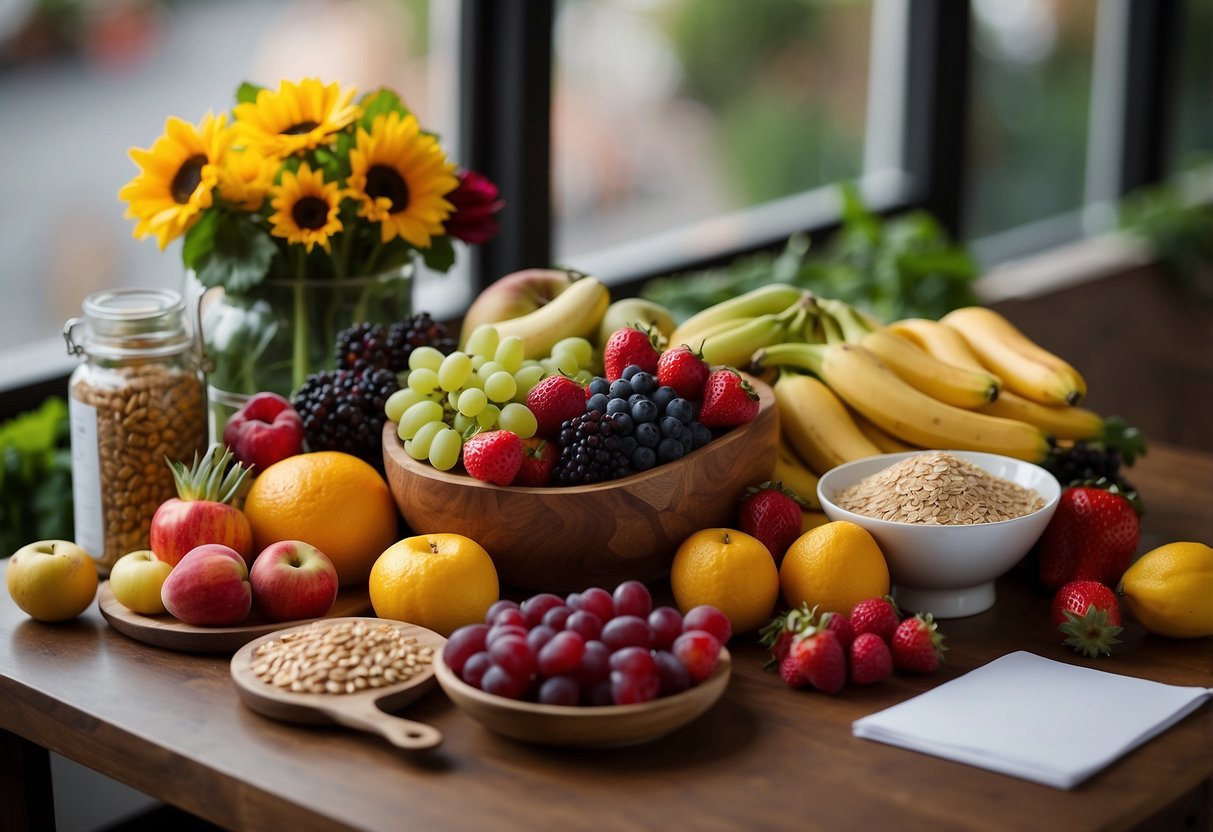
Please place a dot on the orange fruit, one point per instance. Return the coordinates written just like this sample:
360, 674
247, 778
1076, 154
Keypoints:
437, 581
332, 500
833, 567
730, 570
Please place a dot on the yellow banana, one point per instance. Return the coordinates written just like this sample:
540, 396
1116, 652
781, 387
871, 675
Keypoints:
817, 425
887, 444
941, 341
795, 476
1058, 421
867, 384
1024, 367
946, 382
576, 311
765, 300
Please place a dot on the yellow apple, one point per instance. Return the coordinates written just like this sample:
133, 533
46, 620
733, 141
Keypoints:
52, 580
135, 580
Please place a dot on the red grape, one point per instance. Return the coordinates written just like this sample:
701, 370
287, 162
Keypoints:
497, 607
559, 690
600, 694
595, 664
709, 619
585, 623
633, 598
625, 631
665, 625
509, 615
499, 682
498, 630
534, 607
513, 655
635, 661
538, 637
598, 601
556, 616
698, 651
573, 600
462, 644
631, 688
562, 654
474, 668
673, 673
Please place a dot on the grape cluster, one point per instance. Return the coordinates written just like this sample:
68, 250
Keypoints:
390, 345
1085, 462
589, 648
343, 410
661, 423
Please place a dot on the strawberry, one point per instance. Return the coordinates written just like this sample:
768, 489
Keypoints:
1087, 613
493, 457
875, 615
840, 626
538, 457
816, 659
728, 399
871, 660
777, 635
683, 369
630, 345
1092, 535
917, 644
771, 514
554, 401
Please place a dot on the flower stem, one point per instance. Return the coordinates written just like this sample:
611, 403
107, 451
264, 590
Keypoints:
299, 360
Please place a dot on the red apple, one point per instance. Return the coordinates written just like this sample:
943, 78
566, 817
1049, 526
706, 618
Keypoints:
202, 513
267, 429
515, 295
209, 587
291, 580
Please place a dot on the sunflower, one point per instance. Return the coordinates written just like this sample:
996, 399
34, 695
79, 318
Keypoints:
246, 177
306, 208
177, 179
297, 117
399, 176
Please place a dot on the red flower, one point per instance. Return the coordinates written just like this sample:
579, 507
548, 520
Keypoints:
476, 205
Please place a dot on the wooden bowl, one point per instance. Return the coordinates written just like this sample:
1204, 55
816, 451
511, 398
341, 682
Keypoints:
585, 727
571, 538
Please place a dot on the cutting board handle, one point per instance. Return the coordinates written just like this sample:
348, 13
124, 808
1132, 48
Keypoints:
365, 715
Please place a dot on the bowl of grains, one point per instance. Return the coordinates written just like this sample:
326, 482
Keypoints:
949, 522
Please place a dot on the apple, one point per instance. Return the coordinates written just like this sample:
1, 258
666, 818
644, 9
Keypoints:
514, 295
209, 587
52, 580
202, 511
291, 580
265, 430
632, 311
136, 579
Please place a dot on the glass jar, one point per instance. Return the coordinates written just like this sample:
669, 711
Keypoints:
138, 400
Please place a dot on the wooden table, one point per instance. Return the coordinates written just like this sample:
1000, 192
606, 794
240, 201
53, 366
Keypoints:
765, 757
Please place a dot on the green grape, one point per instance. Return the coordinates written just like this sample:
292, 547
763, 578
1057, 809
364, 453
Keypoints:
517, 418
488, 368
581, 349
463, 423
510, 353
482, 341
478, 361
445, 448
583, 377
565, 361
454, 371
471, 401
549, 365
488, 417
423, 380
427, 357
417, 415
526, 378
401, 401
500, 386
419, 446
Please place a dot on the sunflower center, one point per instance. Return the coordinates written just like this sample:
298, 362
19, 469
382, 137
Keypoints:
385, 181
310, 213
187, 178
300, 128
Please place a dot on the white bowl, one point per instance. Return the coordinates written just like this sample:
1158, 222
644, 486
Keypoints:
948, 571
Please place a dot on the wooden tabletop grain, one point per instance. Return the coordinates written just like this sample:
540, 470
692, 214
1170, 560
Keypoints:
765, 757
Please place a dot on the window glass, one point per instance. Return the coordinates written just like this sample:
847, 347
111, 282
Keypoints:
670, 111
1193, 135
1029, 103
81, 82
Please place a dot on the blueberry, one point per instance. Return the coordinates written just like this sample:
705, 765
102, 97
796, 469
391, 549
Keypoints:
688, 442
669, 450
629, 371
662, 396
627, 444
644, 411
643, 458
624, 424
599, 385
637, 397
680, 409
644, 382
647, 434
670, 427
598, 402
700, 433
616, 406
621, 389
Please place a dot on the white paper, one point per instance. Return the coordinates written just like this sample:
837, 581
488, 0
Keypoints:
1035, 718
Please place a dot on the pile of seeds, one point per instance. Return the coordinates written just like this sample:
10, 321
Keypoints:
340, 657
938, 489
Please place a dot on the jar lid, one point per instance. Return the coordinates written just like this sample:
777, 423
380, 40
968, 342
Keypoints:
123, 322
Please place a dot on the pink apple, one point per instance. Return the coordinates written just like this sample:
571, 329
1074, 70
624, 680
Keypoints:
265, 430
291, 580
209, 587
515, 295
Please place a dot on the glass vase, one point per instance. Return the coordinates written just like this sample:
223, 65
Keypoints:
273, 336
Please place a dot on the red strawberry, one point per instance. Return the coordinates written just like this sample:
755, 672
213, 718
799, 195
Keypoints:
493, 457
815, 659
840, 626
538, 458
871, 660
1087, 613
553, 401
683, 369
778, 634
917, 644
772, 515
875, 615
1092, 535
728, 400
629, 345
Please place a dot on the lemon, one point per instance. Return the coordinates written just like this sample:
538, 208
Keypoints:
730, 570
833, 567
1169, 590
437, 581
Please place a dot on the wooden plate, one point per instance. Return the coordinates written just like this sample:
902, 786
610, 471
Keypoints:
585, 727
172, 634
568, 539
365, 710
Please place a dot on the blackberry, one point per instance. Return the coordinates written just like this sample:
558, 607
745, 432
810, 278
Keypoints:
419, 330
1085, 462
591, 450
361, 346
343, 410
366, 345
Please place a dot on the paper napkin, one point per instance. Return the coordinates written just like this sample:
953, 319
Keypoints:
1023, 715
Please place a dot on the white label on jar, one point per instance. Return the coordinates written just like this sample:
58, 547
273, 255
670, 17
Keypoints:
86, 479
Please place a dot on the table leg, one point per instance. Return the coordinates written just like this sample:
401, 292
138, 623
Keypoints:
26, 799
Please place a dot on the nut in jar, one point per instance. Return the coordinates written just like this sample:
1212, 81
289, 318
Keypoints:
138, 400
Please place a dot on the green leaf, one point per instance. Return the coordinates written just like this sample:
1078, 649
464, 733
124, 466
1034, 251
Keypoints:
246, 93
200, 241
241, 255
380, 102
440, 255
35, 476
1125, 438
